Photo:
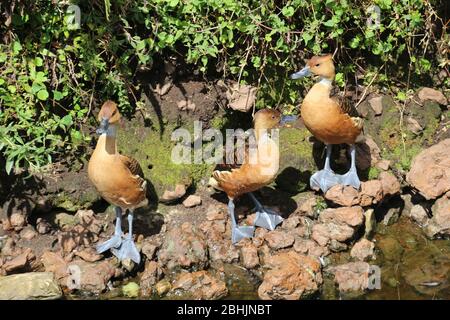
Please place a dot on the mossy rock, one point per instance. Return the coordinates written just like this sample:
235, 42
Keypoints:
71, 191
396, 142
296, 160
153, 151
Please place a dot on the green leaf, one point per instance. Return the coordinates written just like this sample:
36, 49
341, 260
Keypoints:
9, 165
12, 89
42, 95
288, 11
306, 37
57, 95
401, 96
17, 47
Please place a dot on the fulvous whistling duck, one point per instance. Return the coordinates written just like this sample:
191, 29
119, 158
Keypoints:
258, 169
329, 121
119, 180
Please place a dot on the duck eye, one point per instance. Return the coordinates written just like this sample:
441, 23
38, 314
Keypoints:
317, 64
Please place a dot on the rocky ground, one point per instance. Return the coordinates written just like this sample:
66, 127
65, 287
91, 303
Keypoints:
329, 246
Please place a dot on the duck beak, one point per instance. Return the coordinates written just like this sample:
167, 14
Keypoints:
302, 73
104, 124
286, 119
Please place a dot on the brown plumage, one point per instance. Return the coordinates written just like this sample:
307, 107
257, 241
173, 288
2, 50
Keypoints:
118, 178
257, 172
328, 119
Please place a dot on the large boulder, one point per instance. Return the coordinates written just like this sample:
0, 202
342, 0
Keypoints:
184, 247
430, 171
199, 285
291, 276
439, 224
30, 286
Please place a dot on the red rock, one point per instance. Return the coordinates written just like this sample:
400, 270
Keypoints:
377, 105
352, 216
430, 171
17, 220
383, 164
241, 97
170, 196
89, 255
419, 215
28, 233
221, 249
150, 245
322, 233
258, 238
291, 276
22, 262
54, 262
367, 153
389, 184
10, 248
307, 207
249, 256
192, 201
310, 248
363, 250
345, 196
215, 213
199, 285
352, 276
151, 275
291, 223
279, 239
439, 224
433, 95
184, 247
42, 226
371, 192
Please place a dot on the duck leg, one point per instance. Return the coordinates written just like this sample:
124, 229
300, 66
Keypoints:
325, 178
265, 218
128, 249
238, 232
351, 177
116, 239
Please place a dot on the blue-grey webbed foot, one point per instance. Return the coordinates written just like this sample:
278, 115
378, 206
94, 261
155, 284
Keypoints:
116, 239
324, 180
351, 177
127, 249
265, 218
238, 232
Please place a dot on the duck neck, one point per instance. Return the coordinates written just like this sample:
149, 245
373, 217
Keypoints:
260, 131
107, 141
326, 82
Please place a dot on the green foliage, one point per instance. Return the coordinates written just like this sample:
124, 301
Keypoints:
52, 71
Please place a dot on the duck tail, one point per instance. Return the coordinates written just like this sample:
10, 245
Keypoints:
213, 181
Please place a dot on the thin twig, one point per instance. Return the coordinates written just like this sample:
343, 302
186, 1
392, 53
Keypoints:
368, 86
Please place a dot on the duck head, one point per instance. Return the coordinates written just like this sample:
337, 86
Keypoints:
321, 66
108, 116
270, 118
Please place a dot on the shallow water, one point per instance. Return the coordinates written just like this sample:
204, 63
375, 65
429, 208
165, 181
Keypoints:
412, 267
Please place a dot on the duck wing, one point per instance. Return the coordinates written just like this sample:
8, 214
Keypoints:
348, 108
134, 167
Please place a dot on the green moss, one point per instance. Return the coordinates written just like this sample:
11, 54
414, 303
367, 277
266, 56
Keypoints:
218, 122
399, 144
154, 152
296, 160
373, 173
